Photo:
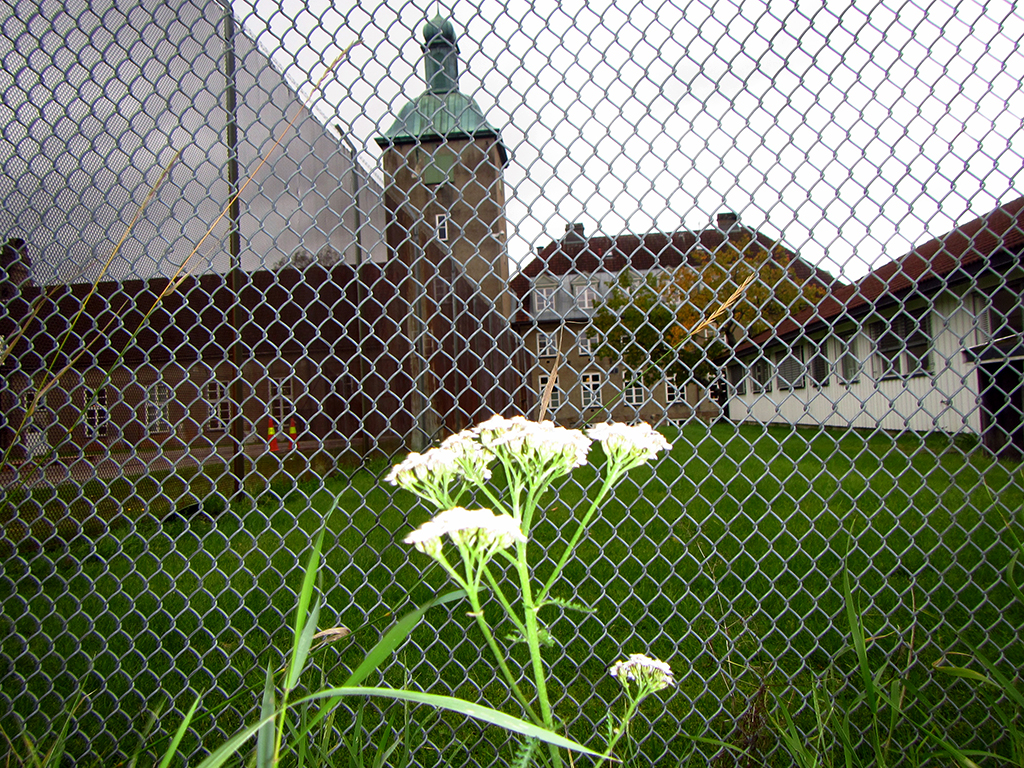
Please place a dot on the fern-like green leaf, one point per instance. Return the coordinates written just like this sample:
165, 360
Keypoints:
524, 753
569, 605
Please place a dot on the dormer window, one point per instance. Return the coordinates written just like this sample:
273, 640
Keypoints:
586, 296
545, 298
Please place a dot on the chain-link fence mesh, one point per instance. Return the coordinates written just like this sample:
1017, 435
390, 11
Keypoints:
441, 211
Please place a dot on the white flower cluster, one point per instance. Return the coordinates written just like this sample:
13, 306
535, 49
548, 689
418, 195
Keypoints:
475, 528
649, 673
533, 442
457, 457
636, 444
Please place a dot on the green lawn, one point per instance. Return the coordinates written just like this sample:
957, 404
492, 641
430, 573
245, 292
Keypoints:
724, 558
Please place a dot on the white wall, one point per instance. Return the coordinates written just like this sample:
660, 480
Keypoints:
945, 399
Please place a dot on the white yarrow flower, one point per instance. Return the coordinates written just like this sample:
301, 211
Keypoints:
530, 442
637, 444
466, 527
647, 672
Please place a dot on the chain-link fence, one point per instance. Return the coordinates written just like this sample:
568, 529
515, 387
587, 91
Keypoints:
253, 253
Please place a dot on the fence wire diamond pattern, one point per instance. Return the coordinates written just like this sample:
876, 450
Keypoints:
253, 254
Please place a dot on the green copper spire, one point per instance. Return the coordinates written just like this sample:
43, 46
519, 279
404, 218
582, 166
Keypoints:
441, 112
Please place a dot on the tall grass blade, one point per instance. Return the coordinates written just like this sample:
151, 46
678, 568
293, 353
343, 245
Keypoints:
154, 715
394, 637
381, 651
308, 582
172, 750
467, 708
267, 733
860, 647
301, 650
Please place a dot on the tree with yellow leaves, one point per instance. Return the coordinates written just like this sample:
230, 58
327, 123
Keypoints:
673, 324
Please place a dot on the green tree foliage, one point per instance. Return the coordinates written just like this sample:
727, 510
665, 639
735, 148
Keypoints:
648, 325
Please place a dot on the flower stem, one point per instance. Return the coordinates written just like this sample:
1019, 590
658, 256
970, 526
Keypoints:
533, 641
610, 479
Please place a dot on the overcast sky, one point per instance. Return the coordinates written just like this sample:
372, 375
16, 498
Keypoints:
849, 130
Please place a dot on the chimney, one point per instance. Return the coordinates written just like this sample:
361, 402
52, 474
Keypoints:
727, 220
574, 232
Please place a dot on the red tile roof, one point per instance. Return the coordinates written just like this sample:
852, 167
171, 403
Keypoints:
966, 248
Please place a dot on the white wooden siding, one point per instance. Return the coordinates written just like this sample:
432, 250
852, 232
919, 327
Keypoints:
946, 399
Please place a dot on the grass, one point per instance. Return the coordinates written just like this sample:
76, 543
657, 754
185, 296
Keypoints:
723, 559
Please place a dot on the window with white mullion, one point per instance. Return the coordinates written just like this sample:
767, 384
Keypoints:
590, 384
96, 413
282, 394
556, 395
790, 370
547, 344
218, 407
849, 366
158, 408
634, 394
902, 344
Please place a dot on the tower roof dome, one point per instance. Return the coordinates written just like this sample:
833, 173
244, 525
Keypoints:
439, 27
441, 112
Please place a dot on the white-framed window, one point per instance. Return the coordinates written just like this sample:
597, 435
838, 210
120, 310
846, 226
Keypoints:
902, 344
282, 400
634, 394
97, 417
556, 393
586, 296
545, 298
789, 368
441, 227
158, 408
761, 376
590, 384
589, 341
547, 344
218, 407
673, 393
849, 363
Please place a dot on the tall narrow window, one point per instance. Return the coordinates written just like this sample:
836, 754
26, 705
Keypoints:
591, 387
556, 394
282, 402
441, 227
850, 365
218, 407
790, 368
820, 367
761, 376
1005, 317
547, 345
738, 379
589, 342
158, 408
96, 414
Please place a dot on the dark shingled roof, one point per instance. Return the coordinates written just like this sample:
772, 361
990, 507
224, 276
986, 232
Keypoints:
947, 259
